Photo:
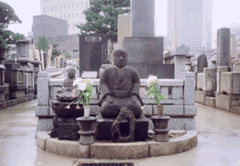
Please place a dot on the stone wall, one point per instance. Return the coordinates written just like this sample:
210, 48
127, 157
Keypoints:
179, 103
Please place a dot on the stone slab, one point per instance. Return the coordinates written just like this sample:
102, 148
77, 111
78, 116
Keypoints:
200, 97
235, 110
67, 148
173, 110
220, 69
167, 101
182, 123
230, 83
210, 101
17, 94
179, 66
134, 150
42, 111
43, 88
223, 102
190, 110
177, 92
11, 103
22, 100
44, 124
175, 145
30, 96
189, 91
42, 136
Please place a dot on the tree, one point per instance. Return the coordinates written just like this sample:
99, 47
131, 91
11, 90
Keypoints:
42, 43
7, 16
55, 52
102, 17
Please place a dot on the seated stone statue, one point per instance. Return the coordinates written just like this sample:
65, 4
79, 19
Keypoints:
65, 93
119, 87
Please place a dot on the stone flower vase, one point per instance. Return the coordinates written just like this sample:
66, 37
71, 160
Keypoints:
160, 125
87, 126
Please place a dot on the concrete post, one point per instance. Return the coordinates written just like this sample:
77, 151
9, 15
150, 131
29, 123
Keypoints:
179, 66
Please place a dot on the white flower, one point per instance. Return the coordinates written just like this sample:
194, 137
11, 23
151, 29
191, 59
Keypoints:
77, 81
152, 78
82, 86
87, 94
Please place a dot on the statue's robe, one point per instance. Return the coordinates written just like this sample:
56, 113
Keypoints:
121, 84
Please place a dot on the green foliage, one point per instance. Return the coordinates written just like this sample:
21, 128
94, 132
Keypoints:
42, 43
86, 95
7, 15
102, 17
55, 52
67, 55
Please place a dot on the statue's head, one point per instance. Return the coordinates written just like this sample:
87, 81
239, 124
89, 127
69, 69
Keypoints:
71, 73
120, 57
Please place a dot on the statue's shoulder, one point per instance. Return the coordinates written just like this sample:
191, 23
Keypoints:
132, 70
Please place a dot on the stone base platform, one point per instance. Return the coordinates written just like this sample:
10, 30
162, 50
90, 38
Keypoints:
103, 150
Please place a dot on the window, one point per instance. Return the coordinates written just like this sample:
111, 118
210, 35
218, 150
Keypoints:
77, 15
82, 15
44, 9
52, 8
77, 4
73, 16
55, 7
73, 5
82, 4
60, 7
64, 17
68, 6
69, 16
68, 26
47, 8
64, 7
60, 16
73, 26
86, 4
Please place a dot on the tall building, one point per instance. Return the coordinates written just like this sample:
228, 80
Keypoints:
71, 11
190, 23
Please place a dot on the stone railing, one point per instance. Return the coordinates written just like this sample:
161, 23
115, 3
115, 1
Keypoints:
179, 103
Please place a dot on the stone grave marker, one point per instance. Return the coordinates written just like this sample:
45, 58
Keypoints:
201, 63
93, 52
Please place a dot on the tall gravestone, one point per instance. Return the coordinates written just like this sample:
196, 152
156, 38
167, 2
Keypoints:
145, 52
201, 63
93, 52
23, 47
223, 47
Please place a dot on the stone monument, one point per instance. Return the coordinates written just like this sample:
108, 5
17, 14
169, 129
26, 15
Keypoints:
93, 52
145, 51
223, 47
120, 101
201, 63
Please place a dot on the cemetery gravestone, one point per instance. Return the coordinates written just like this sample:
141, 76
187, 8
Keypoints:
223, 47
145, 51
201, 63
93, 52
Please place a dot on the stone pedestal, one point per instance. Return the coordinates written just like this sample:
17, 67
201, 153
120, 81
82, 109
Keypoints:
105, 125
87, 130
3, 88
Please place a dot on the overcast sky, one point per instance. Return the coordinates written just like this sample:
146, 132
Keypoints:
224, 13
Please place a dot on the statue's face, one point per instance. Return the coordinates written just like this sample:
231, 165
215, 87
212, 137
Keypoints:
71, 73
120, 59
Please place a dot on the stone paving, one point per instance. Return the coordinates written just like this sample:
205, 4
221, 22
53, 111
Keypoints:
218, 141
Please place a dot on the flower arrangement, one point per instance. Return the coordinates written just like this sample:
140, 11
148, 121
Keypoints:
83, 90
153, 90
